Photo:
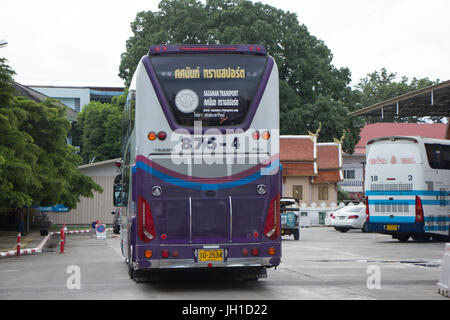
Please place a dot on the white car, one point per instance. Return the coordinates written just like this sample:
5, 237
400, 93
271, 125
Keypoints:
330, 216
347, 218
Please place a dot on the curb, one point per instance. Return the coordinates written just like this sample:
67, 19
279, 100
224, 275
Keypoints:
41, 245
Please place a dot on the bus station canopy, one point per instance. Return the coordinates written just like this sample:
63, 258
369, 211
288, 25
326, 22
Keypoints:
427, 102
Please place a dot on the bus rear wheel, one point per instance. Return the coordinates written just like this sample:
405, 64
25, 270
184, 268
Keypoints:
403, 237
421, 237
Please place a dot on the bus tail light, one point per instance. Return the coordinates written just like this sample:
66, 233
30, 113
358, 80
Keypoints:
165, 254
152, 136
419, 210
367, 210
266, 135
255, 135
255, 252
145, 224
162, 135
272, 227
271, 251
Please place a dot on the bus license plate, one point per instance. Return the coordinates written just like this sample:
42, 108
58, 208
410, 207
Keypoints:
210, 255
391, 227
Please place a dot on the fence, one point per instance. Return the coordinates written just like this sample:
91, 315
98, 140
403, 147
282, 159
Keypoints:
316, 215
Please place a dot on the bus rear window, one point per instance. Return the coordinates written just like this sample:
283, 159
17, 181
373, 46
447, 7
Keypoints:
216, 89
438, 156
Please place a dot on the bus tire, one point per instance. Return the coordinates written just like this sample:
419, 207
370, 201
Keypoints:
130, 271
403, 237
140, 276
421, 237
364, 228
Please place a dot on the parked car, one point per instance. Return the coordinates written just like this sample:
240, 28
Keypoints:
117, 221
350, 217
330, 216
290, 218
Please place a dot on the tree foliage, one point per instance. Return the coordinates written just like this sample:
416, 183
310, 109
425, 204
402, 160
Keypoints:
382, 85
309, 83
37, 167
98, 131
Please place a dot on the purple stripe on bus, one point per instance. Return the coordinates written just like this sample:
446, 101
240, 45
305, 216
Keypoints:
168, 113
181, 176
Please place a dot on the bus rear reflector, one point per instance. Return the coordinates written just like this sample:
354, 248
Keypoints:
419, 210
145, 224
272, 227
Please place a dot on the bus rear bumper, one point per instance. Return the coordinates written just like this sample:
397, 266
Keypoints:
191, 264
395, 228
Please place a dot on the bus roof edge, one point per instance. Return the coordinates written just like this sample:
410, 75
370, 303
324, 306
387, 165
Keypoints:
218, 48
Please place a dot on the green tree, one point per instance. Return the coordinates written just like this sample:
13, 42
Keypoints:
308, 80
382, 85
98, 131
37, 167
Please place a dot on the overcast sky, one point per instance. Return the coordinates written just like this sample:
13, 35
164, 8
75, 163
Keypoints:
73, 41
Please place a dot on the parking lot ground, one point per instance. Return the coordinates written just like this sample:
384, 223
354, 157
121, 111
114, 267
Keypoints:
323, 265
346, 264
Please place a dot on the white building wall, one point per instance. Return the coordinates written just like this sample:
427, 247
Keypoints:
67, 96
97, 208
355, 163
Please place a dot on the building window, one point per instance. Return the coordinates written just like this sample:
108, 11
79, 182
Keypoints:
323, 193
77, 104
297, 192
349, 174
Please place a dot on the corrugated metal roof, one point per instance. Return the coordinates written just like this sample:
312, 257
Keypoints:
431, 101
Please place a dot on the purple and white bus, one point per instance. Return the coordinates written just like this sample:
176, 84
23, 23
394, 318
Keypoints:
201, 177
